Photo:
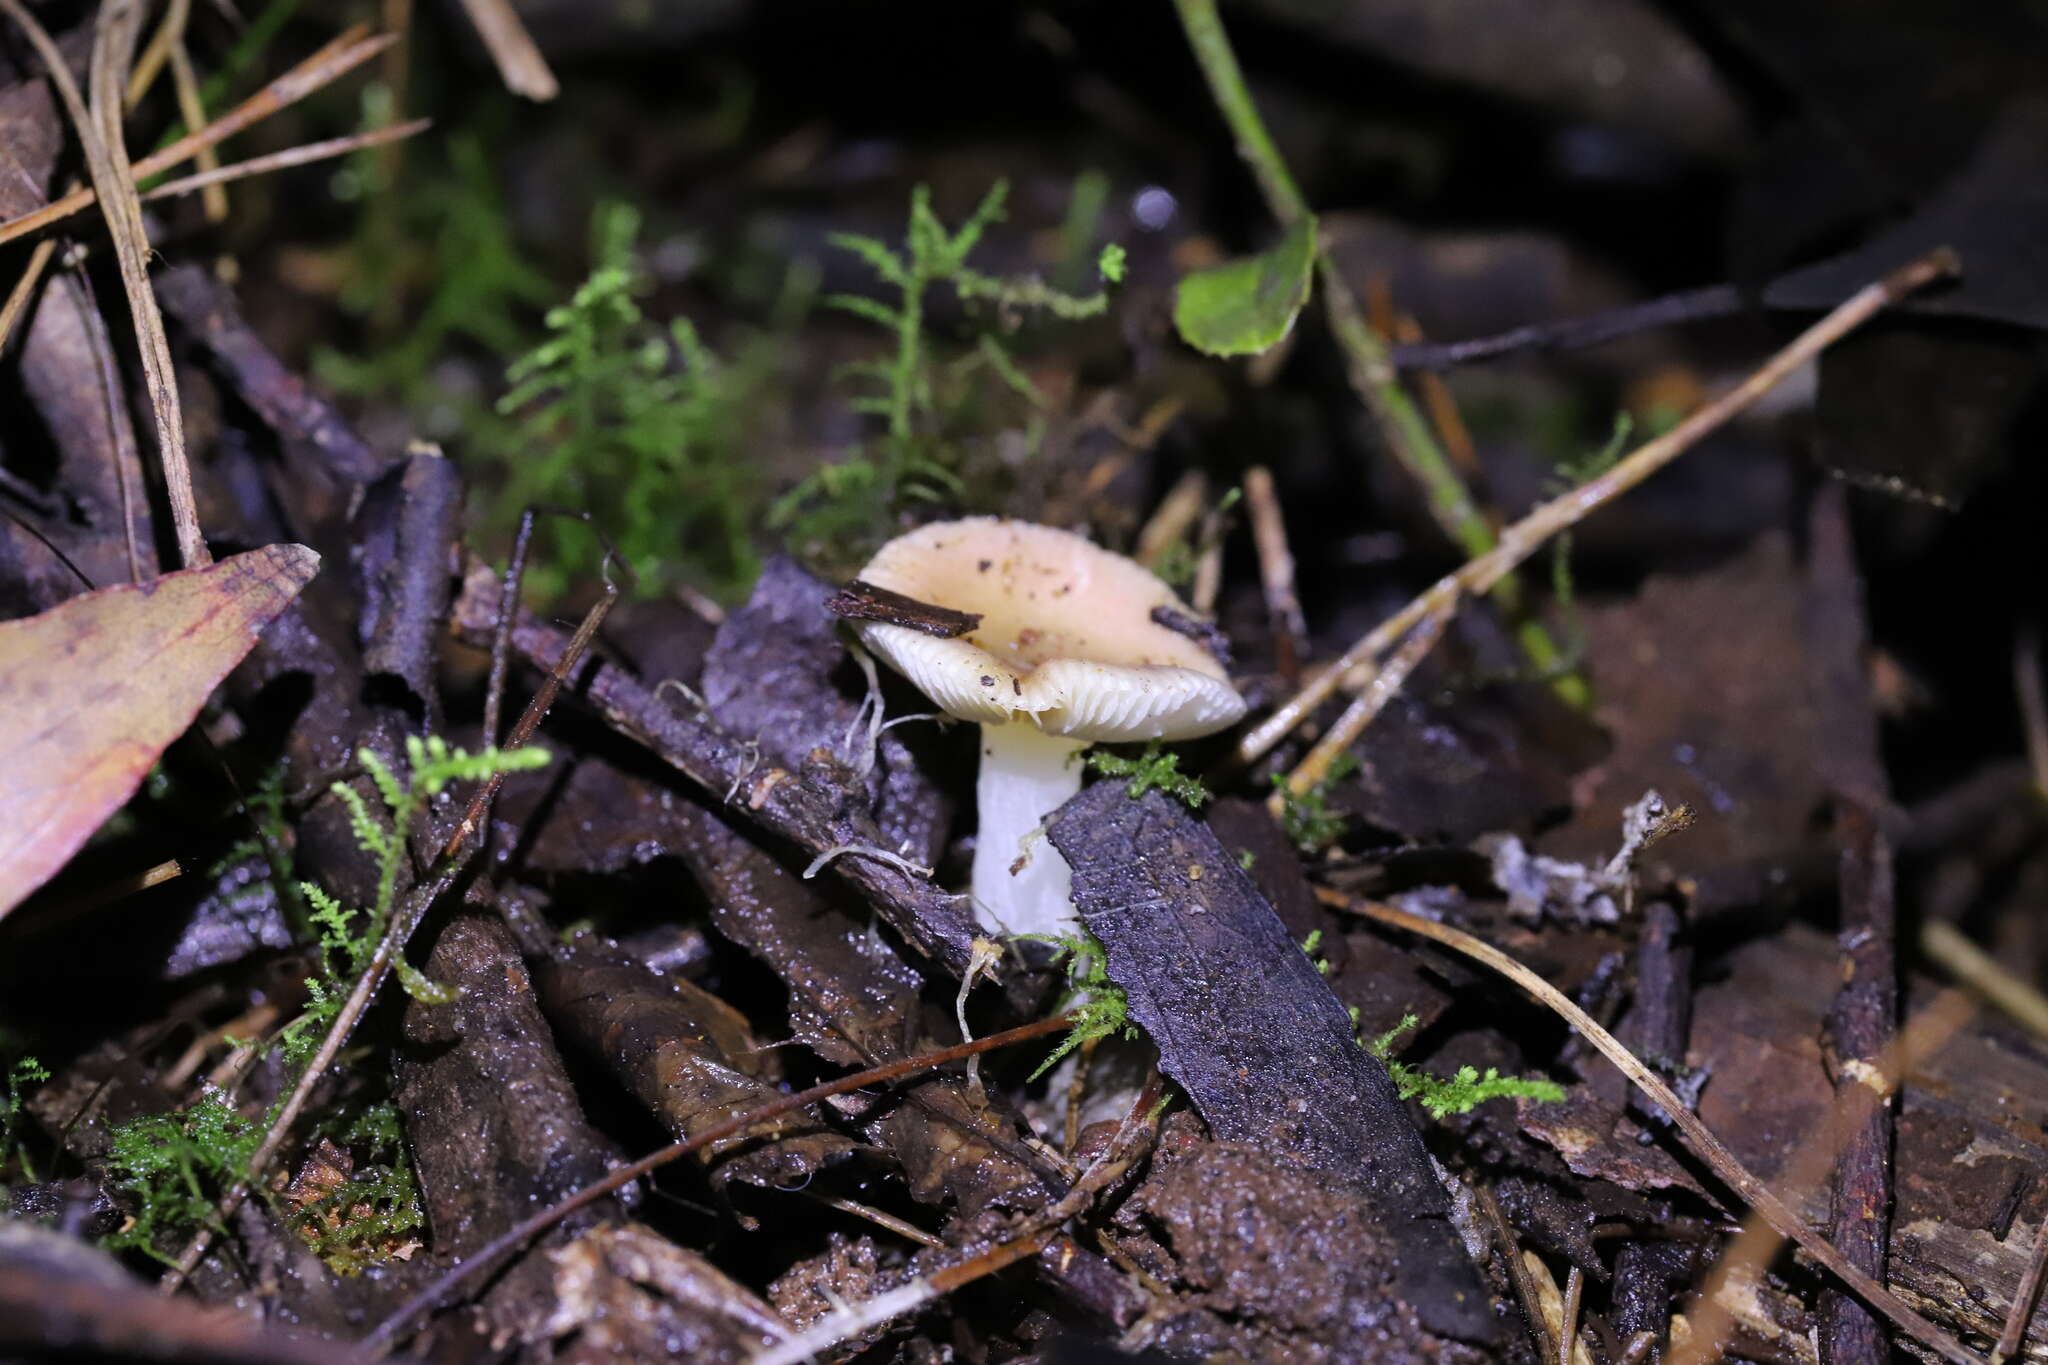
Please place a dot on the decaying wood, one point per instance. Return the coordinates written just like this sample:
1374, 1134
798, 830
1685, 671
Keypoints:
1249, 1029
810, 808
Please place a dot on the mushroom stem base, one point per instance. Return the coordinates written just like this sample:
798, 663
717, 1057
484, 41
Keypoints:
1021, 883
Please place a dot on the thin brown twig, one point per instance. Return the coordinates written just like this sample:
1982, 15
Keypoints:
1173, 521
1523, 539
1698, 1136
1756, 1245
25, 287
1366, 706
329, 64
170, 31
1130, 1143
1518, 1276
398, 81
1276, 572
2015, 1334
127, 457
185, 83
1985, 977
448, 867
115, 32
300, 155
393, 1329
1568, 1331
520, 65
2026, 685
107, 159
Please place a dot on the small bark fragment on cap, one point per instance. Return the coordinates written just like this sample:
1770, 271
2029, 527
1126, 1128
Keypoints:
860, 600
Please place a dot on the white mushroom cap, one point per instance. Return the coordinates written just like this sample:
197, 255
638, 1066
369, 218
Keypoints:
1066, 636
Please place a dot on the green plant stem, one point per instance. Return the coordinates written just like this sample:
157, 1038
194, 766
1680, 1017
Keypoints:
1401, 425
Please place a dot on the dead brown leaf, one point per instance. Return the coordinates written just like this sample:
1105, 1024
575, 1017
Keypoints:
93, 690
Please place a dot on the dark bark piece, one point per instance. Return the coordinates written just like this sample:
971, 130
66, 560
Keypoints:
491, 1115
778, 671
1863, 1020
859, 600
1250, 1030
690, 1058
1647, 1275
1293, 1268
409, 526
208, 312
61, 1298
813, 809
1207, 634
1660, 1016
1245, 827
853, 1000
627, 1294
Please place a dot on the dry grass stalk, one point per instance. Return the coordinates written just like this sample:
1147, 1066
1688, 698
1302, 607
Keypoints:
329, 64
520, 65
1523, 539
1710, 1149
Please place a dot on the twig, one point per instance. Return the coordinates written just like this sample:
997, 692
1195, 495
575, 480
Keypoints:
291, 156
1744, 1261
811, 812
185, 83
1276, 573
1524, 1284
115, 31
1174, 518
397, 79
393, 1328
329, 64
170, 31
1693, 305
1984, 976
453, 858
1521, 540
25, 287
1130, 1142
1401, 426
2026, 684
1568, 1329
520, 65
1366, 706
107, 159
2015, 1334
1699, 1137
126, 455
1861, 1022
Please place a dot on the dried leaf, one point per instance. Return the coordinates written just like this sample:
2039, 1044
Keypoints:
93, 691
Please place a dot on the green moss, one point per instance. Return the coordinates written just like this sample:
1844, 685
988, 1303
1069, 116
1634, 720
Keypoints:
174, 1168
1461, 1092
1306, 816
840, 511
1097, 1003
1154, 767
367, 1216
22, 1075
644, 427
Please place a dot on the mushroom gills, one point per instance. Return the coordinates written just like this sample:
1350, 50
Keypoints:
1021, 883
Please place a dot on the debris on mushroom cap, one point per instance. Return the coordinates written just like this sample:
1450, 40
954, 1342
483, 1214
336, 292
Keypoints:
1066, 636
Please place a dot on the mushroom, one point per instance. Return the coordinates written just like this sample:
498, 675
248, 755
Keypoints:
1068, 651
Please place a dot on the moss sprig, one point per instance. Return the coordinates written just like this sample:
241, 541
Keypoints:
1155, 767
1462, 1091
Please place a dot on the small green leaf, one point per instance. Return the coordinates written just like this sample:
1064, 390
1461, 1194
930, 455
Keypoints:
1246, 306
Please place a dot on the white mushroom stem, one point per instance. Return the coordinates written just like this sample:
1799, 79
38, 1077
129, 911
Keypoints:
1021, 883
